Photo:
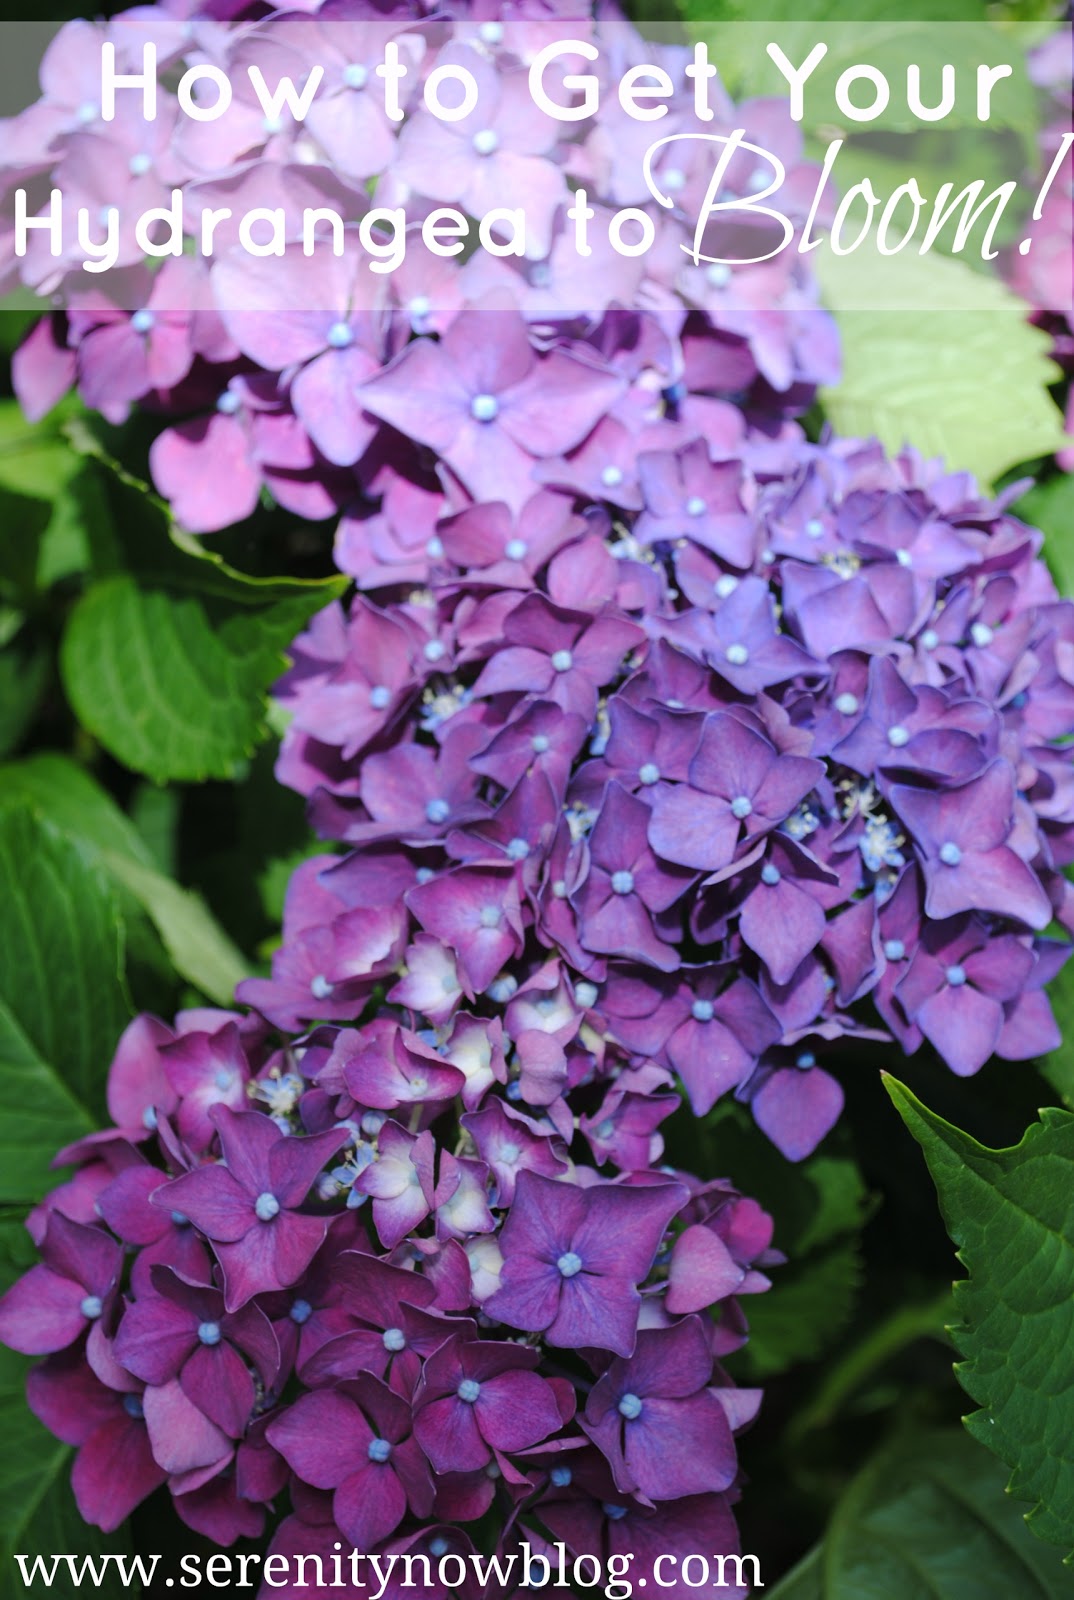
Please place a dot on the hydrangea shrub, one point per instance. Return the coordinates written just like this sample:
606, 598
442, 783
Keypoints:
664, 756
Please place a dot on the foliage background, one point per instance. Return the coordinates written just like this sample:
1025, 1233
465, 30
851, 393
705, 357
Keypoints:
144, 851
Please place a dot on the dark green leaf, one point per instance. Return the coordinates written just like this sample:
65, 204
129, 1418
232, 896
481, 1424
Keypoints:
927, 1519
1011, 1216
173, 682
198, 948
1051, 506
62, 1002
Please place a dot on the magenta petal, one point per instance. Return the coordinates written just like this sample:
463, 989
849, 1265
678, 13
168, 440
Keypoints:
963, 1024
370, 1505
183, 1438
41, 1312
797, 1108
113, 1472
322, 1437
217, 1381
212, 1199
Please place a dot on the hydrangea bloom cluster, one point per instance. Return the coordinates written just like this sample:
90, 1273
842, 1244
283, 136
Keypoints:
254, 400
753, 755
353, 1276
1045, 277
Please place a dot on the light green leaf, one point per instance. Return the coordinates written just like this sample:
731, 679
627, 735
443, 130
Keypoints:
62, 1001
1011, 1216
927, 1519
196, 944
173, 680
942, 379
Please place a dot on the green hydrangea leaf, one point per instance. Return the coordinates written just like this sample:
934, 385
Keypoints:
62, 999
173, 680
941, 378
927, 1519
1010, 1214
196, 945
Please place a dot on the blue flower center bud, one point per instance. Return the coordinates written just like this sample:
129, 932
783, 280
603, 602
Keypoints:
770, 874
509, 1154
718, 274
394, 1340
490, 916
930, 639
228, 403
484, 407
266, 1207
301, 1312
806, 1060
561, 1477
569, 1264
702, 1010
903, 557
814, 528
956, 976
320, 988
674, 179
434, 650
340, 335
468, 1390
439, 1547
516, 549
223, 1079
898, 736
612, 477
894, 949
585, 994
518, 849
725, 585
737, 654
741, 807
981, 634
695, 506
180, 1219
950, 854
143, 322
562, 661
209, 1333
379, 1450
501, 989
606, 1129
485, 141
149, 1118
91, 1307
614, 1513
434, 548
355, 75
630, 1407
139, 165
133, 1406
540, 743
437, 811
513, 1091
88, 111
846, 704
649, 774
622, 882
